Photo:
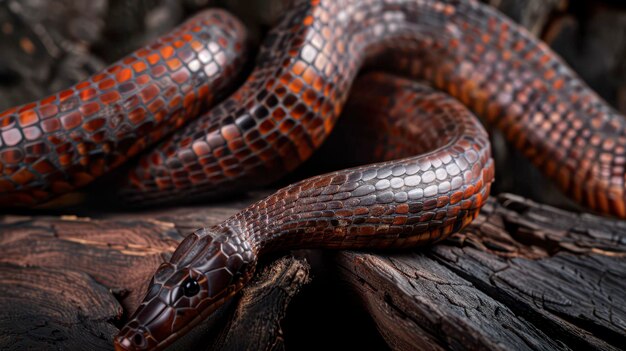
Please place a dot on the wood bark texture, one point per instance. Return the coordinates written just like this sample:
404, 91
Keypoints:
523, 276
69, 283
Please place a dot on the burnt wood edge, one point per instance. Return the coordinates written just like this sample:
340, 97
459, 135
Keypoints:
69, 282
522, 276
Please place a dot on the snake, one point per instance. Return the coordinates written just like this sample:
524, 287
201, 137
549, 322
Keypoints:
67, 140
400, 203
434, 168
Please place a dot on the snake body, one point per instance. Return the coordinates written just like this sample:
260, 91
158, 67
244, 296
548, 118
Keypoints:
306, 66
65, 141
405, 202
290, 103
287, 107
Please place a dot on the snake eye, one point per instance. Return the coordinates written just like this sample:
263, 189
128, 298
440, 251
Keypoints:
191, 287
139, 340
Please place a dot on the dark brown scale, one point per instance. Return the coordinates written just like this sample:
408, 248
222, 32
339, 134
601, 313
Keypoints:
283, 112
406, 202
289, 105
64, 141
519, 85
291, 101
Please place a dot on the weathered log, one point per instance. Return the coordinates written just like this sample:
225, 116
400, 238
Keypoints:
54, 308
68, 282
262, 307
523, 276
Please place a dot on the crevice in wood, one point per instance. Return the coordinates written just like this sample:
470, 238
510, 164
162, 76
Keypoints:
567, 290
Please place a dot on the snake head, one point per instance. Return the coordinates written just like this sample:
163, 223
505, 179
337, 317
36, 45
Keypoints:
204, 271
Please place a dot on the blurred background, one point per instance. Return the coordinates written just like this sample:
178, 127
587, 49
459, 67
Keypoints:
46, 46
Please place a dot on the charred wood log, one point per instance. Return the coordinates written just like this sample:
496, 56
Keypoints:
523, 276
68, 282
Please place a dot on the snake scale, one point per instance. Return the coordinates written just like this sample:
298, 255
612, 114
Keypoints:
434, 171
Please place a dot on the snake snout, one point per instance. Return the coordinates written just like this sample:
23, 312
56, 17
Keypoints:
135, 342
122, 343
203, 272
149, 327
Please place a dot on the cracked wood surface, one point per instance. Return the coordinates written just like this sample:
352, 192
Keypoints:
523, 276
68, 282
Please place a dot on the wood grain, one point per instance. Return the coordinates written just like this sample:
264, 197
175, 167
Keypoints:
523, 276
69, 282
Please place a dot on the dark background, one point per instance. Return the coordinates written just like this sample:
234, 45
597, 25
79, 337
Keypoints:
48, 45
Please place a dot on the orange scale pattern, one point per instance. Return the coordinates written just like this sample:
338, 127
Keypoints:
438, 171
289, 104
410, 201
64, 141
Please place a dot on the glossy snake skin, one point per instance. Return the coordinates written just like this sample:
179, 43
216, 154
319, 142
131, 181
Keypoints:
401, 203
290, 103
307, 64
64, 141
286, 109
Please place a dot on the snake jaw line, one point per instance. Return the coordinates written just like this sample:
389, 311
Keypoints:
208, 268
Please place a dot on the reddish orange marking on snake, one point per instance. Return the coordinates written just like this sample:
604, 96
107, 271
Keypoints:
84, 110
290, 103
287, 108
